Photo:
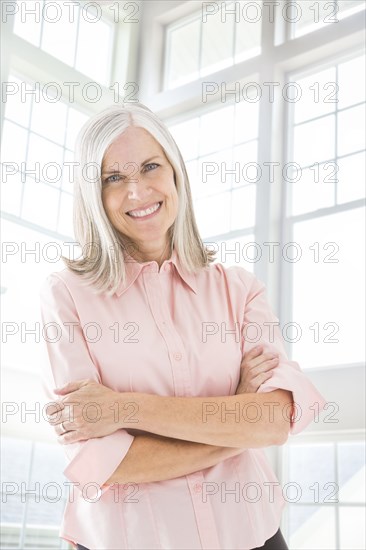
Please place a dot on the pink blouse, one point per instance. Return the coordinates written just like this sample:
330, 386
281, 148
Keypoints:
170, 333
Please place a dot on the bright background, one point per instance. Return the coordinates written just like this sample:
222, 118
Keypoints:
164, 54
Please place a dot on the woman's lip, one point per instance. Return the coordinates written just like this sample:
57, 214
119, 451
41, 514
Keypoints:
144, 208
142, 218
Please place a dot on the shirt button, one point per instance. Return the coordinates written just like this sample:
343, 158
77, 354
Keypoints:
177, 356
197, 487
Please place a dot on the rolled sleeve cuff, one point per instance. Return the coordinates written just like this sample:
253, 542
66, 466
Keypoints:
308, 402
96, 461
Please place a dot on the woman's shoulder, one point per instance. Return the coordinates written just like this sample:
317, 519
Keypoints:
64, 280
233, 271
234, 274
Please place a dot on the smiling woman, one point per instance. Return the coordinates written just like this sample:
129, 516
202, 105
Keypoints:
142, 204
180, 419
122, 142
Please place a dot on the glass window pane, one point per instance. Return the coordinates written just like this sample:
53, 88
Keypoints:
311, 188
214, 172
216, 130
43, 152
213, 214
14, 145
183, 51
243, 207
186, 135
351, 176
11, 193
351, 130
65, 224
75, 120
352, 528
309, 476
217, 42
36, 194
59, 32
316, 95
93, 56
15, 109
349, 7
247, 157
351, 82
314, 141
68, 173
43, 113
21, 306
248, 29
351, 468
48, 464
28, 20
41, 537
311, 16
329, 255
246, 121
312, 527
15, 464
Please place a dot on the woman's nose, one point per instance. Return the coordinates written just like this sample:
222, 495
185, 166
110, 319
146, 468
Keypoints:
137, 188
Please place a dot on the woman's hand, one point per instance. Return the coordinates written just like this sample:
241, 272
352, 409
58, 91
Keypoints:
87, 410
256, 367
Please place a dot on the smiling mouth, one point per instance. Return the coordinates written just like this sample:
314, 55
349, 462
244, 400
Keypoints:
148, 212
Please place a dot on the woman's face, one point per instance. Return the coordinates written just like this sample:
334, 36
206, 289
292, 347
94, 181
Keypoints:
136, 176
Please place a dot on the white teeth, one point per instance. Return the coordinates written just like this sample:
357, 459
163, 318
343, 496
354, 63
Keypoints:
141, 213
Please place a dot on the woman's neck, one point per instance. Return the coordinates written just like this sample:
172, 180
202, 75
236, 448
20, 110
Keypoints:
157, 255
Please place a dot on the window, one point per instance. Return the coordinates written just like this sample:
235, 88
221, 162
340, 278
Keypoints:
33, 494
38, 155
307, 16
220, 150
219, 35
325, 497
67, 32
325, 190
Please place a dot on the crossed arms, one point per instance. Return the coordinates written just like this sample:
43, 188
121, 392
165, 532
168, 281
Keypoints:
175, 436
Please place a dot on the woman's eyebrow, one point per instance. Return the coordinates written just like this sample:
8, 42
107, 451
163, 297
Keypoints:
104, 172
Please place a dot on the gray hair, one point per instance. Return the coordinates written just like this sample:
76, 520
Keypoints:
106, 269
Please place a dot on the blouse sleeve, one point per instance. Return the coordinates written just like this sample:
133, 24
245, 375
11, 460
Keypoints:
261, 326
90, 462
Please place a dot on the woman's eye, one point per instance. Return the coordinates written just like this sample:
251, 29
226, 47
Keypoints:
110, 178
149, 165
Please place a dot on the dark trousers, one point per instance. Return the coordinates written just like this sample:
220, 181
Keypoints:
277, 542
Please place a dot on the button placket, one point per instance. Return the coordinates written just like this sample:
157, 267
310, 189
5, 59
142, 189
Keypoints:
177, 357
203, 511
181, 376
162, 318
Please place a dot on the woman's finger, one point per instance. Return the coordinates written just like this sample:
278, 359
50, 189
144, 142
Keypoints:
260, 359
72, 386
253, 353
260, 379
265, 366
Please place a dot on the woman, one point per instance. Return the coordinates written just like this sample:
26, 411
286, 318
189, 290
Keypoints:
163, 421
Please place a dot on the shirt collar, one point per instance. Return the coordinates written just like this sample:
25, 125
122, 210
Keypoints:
134, 268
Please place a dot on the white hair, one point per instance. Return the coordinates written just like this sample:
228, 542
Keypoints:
102, 262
